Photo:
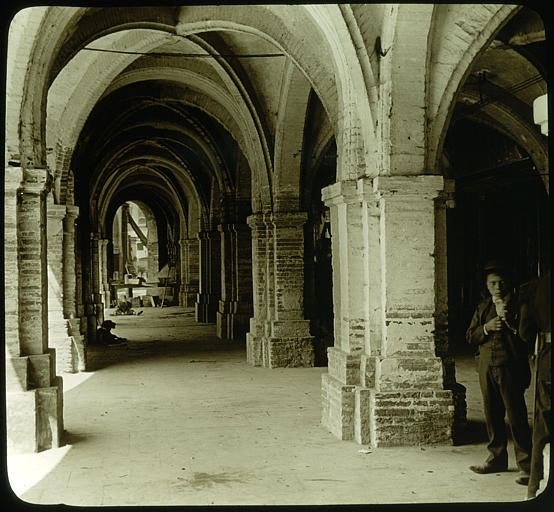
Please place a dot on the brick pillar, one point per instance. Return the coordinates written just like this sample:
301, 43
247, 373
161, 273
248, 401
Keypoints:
58, 326
443, 203
124, 248
105, 285
223, 324
189, 271
97, 310
34, 394
287, 341
235, 305
408, 402
242, 304
356, 306
209, 278
254, 337
70, 306
153, 252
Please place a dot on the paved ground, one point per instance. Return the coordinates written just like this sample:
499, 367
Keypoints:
177, 417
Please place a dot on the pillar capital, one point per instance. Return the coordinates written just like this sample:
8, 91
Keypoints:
422, 186
349, 192
35, 181
56, 211
71, 211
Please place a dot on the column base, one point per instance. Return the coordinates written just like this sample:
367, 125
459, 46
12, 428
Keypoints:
345, 410
35, 418
337, 412
188, 295
288, 352
411, 417
231, 326
205, 309
254, 342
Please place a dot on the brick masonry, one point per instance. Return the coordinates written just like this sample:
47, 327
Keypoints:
385, 384
207, 300
235, 306
279, 335
34, 397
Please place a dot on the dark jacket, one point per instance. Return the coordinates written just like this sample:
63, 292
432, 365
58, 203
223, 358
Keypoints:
516, 348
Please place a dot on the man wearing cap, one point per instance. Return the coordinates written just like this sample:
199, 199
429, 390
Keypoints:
504, 373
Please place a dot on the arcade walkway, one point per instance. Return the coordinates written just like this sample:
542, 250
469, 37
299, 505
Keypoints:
177, 417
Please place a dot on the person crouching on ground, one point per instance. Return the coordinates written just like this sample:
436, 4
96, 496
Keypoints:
104, 335
504, 373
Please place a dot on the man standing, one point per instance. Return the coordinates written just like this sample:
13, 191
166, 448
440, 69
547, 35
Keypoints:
504, 372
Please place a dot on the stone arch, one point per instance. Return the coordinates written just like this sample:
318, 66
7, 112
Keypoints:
231, 116
289, 138
459, 34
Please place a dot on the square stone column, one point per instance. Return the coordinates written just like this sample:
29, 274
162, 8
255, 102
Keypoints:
241, 310
228, 241
78, 353
58, 326
34, 394
254, 337
235, 305
408, 404
357, 308
287, 341
96, 306
104, 284
209, 276
189, 271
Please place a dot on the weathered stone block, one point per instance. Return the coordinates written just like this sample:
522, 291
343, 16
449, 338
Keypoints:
41, 370
17, 374
289, 352
50, 415
254, 354
408, 418
343, 366
21, 422
362, 404
338, 407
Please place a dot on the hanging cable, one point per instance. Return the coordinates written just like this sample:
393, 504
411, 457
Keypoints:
187, 55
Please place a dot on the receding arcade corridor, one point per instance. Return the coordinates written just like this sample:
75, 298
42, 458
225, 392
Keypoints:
177, 417
292, 210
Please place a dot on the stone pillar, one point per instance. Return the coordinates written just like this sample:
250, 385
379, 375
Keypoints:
104, 283
153, 251
287, 341
236, 291
356, 306
70, 302
189, 271
209, 278
34, 394
408, 402
443, 203
228, 240
384, 385
96, 271
242, 304
58, 327
124, 249
254, 337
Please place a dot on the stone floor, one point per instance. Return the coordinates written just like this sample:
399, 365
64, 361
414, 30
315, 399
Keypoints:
177, 417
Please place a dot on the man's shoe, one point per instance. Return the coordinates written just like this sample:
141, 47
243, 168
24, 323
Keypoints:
523, 478
488, 468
